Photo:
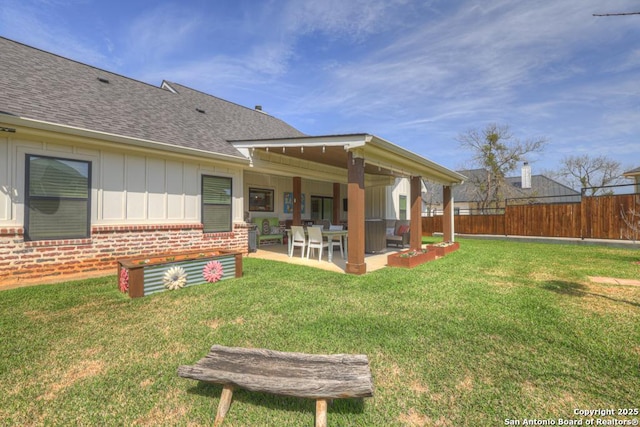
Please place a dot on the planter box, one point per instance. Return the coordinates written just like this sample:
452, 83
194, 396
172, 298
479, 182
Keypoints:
398, 260
444, 250
147, 275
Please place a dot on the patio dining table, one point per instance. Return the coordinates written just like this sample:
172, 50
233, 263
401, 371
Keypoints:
329, 234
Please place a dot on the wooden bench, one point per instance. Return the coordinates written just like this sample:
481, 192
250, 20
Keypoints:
319, 377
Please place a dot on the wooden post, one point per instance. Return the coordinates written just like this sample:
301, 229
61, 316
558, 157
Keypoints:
136, 282
415, 235
321, 413
355, 215
297, 200
225, 403
447, 217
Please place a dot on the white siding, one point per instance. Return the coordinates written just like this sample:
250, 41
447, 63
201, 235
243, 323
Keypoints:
113, 184
284, 184
191, 189
136, 177
402, 187
156, 176
127, 187
6, 186
175, 190
374, 202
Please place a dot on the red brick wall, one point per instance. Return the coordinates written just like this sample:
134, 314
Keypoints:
55, 260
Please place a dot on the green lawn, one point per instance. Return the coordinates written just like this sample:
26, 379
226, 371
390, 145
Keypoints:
495, 331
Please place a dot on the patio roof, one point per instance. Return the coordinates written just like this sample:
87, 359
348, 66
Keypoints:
381, 157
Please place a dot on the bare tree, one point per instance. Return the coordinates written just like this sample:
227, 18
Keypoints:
432, 198
631, 218
591, 173
499, 153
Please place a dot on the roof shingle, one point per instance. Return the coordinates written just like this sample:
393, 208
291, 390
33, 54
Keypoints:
42, 86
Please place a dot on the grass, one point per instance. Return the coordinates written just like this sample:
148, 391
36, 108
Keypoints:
495, 331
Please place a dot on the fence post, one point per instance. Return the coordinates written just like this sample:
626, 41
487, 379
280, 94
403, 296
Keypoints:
504, 217
583, 213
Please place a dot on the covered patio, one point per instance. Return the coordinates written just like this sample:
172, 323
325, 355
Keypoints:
278, 252
354, 161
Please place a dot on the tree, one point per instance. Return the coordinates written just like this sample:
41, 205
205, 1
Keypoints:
499, 153
631, 218
591, 173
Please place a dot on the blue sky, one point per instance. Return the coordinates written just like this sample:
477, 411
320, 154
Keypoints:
417, 73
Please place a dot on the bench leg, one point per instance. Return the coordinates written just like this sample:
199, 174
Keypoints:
321, 413
223, 406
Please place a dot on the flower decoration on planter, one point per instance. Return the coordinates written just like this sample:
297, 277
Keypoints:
175, 278
444, 244
124, 280
212, 272
412, 253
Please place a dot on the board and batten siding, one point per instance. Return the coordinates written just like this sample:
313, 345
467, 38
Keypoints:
7, 192
284, 184
126, 188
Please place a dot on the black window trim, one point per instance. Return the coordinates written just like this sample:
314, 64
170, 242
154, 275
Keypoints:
266, 190
202, 204
27, 197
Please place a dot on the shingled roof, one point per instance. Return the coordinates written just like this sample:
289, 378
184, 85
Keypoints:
43, 86
543, 188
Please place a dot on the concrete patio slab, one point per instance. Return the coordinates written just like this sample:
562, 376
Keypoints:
279, 253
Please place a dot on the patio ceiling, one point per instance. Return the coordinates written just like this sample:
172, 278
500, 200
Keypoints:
381, 157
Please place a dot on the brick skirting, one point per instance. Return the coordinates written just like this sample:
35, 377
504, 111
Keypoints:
47, 261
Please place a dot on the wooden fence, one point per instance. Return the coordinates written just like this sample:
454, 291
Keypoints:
598, 217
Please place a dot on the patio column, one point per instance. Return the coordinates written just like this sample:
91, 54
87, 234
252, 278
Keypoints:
415, 239
297, 200
355, 215
447, 218
336, 204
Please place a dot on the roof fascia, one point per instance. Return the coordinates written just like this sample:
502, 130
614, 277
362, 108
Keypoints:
37, 127
411, 162
346, 141
373, 149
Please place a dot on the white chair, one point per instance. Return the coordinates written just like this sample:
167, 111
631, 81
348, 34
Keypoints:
298, 239
333, 242
316, 241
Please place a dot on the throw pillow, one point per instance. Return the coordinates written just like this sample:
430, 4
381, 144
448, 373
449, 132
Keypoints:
403, 229
390, 231
266, 227
275, 230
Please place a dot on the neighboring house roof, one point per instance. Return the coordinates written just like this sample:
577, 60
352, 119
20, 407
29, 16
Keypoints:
549, 190
545, 189
632, 173
41, 86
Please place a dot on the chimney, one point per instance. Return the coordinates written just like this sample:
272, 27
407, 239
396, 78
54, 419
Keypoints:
526, 175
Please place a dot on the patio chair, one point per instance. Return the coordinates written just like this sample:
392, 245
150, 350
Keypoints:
332, 242
316, 241
298, 239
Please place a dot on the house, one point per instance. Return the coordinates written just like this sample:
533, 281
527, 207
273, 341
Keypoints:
635, 175
522, 189
96, 166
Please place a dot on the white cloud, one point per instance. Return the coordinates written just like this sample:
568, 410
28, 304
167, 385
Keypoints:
159, 32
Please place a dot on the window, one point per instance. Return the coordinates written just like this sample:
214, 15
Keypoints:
403, 207
216, 204
260, 200
321, 207
57, 198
